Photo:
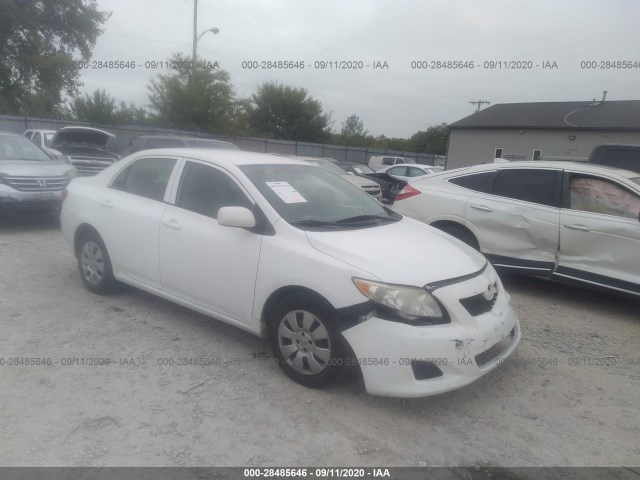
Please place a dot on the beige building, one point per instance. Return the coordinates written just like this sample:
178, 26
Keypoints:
544, 130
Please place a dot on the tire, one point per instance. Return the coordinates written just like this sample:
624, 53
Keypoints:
94, 264
305, 340
462, 234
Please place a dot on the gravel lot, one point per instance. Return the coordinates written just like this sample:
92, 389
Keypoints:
581, 408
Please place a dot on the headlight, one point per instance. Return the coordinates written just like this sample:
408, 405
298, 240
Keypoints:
71, 174
409, 302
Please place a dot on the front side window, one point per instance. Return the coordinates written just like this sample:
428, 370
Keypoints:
147, 177
37, 139
529, 185
387, 161
205, 190
597, 195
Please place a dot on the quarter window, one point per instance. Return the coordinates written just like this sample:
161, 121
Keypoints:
147, 177
205, 190
592, 194
479, 182
529, 185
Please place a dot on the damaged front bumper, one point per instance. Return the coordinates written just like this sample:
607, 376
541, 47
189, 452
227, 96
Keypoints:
402, 360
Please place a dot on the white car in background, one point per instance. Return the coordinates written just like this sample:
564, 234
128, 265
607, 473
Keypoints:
572, 221
41, 138
289, 251
410, 172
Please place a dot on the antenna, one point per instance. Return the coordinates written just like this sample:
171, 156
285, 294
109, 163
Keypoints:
480, 103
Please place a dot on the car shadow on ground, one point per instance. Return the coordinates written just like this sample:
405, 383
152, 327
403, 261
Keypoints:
35, 222
551, 291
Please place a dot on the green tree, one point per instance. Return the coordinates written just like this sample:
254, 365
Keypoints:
287, 113
434, 140
40, 42
353, 133
197, 98
101, 108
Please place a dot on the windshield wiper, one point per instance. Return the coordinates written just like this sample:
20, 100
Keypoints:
313, 223
365, 218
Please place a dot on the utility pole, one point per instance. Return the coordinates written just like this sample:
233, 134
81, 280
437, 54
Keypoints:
480, 103
195, 32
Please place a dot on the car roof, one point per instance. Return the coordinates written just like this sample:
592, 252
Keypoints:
582, 166
233, 157
180, 137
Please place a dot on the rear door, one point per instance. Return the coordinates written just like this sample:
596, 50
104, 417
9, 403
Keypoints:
129, 217
517, 223
600, 232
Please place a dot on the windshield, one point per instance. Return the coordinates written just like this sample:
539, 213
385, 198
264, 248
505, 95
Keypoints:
19, 148
48, 138
329, 165
312, 198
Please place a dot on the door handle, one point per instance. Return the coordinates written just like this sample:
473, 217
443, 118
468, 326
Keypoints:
481, 207
171, 223
580, 228
107, 203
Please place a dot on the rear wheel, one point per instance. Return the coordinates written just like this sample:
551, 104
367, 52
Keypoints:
305, 340
94, 264
461, 233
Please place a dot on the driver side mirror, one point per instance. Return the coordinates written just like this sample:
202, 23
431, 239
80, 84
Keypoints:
238, 217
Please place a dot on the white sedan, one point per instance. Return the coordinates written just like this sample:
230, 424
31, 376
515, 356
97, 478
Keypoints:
410, 171
571, 221
294, 253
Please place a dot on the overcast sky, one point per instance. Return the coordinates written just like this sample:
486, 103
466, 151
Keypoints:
399, 100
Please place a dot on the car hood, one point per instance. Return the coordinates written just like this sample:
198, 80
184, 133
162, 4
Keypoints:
27, 168
359, 181
81, 135
406, 252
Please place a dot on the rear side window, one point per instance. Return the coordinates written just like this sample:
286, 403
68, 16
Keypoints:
205, 190
147, 177
529, 185
400, 171
479, 182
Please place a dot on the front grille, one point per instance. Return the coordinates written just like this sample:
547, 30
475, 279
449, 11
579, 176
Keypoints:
37, 184
481, 303
485, 357
89, 166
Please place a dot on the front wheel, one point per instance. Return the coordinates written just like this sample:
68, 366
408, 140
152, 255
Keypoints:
305, 340
95, 265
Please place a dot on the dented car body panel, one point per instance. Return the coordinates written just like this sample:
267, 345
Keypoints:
571, 221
